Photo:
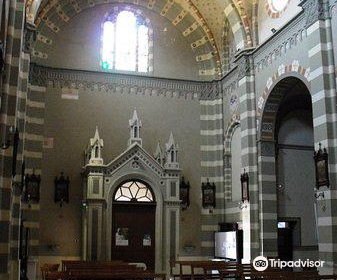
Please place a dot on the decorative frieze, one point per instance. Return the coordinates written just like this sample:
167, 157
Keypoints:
315, 10
78, 79
289, 37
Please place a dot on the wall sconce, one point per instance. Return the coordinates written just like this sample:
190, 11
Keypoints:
184, 193
321, 167
320, 200
61, 189
23, 171
32, 188
15, 142
318, 195
244, 186
208, 194
84, 203
2, 60
242, 205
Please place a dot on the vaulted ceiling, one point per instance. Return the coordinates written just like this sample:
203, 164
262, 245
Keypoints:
202, 22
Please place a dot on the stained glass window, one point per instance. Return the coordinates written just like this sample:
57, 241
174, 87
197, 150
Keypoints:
125, 43
134, 191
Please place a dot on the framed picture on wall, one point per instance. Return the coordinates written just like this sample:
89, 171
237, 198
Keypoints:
122, 237
208, 194
61, 189
184, 194
321, 168
244, 186
32, 187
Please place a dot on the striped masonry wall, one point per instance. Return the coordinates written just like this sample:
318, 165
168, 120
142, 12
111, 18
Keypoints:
323, 91
247, 107
268, 106
232, 210
12, 115
17, 185
211, 120
33, 158
267, 198
228, 158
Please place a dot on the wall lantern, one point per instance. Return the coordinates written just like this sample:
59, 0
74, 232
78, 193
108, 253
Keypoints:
321, 167
61, 189
208, 194
184, 192
32, 188
244, 186
13, 133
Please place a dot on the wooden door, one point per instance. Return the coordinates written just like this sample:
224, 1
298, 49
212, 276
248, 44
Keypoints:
133, 233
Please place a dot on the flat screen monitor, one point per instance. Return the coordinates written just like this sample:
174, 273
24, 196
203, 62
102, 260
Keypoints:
226, 245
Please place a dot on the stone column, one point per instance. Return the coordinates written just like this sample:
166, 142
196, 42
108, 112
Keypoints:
323, 93
12, 114
171, 232
267, 198
95, 206
247, 108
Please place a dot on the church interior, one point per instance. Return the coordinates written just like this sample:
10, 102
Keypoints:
155, 139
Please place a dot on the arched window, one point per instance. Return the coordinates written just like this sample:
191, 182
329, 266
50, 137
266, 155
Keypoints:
236, 163
172, 156
96, 152
125, 42
133, 191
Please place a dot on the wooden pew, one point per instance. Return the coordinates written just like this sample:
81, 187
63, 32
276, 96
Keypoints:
83, 270
68, 264
203, 266
240, 271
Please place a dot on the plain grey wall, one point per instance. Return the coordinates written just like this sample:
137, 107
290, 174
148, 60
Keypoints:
296, 174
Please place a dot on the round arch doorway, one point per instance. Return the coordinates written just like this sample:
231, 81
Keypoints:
133, 223
286, 147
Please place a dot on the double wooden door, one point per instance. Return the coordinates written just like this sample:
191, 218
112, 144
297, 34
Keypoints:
133, 233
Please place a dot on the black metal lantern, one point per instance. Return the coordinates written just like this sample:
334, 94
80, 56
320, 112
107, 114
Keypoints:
15, 143
321, 167
208, 194
244, 186
184, 191
23, 170
61, 189
32, 187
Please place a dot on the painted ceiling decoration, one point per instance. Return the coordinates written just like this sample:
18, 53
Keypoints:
201, 22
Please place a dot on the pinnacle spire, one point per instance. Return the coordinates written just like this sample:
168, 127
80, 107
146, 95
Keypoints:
171, 142
134, 120
134, 128
96, 137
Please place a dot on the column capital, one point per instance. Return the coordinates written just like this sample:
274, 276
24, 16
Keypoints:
315, 10
245, 64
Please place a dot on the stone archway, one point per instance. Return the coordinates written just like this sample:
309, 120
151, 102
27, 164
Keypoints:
284, 86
